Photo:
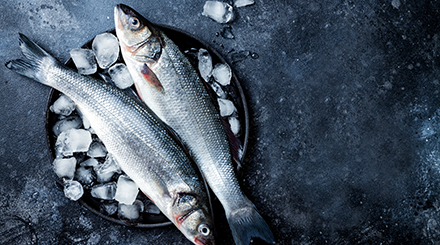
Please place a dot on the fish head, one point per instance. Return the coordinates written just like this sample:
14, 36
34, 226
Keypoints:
138, 39
193, 219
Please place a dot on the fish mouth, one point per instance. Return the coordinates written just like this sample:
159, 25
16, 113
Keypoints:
121, 15
124, 8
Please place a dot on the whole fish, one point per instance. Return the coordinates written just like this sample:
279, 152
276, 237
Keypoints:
143, 146
172, 88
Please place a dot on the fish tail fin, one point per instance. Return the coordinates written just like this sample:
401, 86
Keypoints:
35, 58
246, 223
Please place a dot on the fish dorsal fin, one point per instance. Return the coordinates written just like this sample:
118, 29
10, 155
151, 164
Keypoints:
151, 78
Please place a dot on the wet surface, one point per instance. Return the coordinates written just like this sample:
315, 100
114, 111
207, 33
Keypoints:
343, 98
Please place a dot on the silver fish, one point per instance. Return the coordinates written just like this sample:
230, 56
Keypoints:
171, 87
145, 149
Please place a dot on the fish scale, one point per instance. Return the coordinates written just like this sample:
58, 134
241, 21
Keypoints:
203, 124
144, 147
173, 89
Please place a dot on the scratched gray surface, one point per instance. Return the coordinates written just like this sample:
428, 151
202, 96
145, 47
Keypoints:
344, 114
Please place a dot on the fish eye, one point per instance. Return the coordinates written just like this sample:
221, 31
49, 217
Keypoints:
134, 22
204, 229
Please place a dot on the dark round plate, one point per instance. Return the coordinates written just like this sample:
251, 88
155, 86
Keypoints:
189, 45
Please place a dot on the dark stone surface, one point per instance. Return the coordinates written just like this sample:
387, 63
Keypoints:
345, 122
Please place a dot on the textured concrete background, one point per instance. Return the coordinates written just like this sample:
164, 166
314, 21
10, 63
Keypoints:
345, 121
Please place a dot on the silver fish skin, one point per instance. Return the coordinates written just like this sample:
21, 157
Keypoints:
172, 88
143, 146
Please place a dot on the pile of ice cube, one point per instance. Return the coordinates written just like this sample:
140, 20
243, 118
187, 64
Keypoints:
84, 165
219, 76
82, 161
104, 53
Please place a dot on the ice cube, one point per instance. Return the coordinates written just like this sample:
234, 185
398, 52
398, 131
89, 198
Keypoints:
66, 124
234, 123
152, 209
120, 76
108, 208
63, 106
91, 162
106, 48
218, 90
226, 107
104, 191
222, 74
227, 32
205, 64
127, 190
84, 60
73, 140
65, 167
97, 149
84, 175
130, 211
242, 3
73, 190
105, 171
218, 11
86, 122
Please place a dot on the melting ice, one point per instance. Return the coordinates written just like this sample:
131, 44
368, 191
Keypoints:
73, 190
109, 208
97, 149
65, 167
84, 175
63, 106
106, 48
104, 191
130, 211
105, 171
73, 140
120, 76
91, 162
218, 11
222, 74
85, 121
226, 107
218, 90
71, 122
235, 125
242, 3
127, 190
204, 64
84, 60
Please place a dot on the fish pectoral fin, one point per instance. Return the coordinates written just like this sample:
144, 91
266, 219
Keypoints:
151, 78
